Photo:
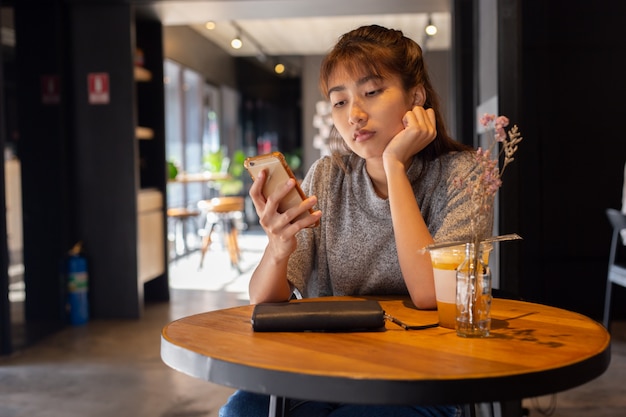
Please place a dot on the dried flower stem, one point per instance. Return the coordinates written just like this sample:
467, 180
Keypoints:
484, 184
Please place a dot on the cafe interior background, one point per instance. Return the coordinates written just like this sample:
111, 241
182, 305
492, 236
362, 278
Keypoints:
76, 171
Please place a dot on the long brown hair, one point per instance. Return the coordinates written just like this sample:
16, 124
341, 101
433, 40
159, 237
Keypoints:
385, 52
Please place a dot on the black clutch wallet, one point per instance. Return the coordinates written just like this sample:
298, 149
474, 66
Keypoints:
330, 316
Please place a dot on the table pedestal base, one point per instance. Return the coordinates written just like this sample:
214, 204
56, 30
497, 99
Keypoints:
499, 409
277, 406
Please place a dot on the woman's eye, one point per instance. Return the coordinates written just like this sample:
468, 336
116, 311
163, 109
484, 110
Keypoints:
372, 93
339, 103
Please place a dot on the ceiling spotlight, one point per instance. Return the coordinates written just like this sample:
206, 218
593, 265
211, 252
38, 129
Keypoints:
430, 29
279, 68
210, 25
236, 43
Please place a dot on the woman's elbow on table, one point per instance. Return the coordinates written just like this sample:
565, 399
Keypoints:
424, 301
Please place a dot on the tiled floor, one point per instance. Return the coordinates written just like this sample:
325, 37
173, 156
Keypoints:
113, 368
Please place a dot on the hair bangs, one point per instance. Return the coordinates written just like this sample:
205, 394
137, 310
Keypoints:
357, 61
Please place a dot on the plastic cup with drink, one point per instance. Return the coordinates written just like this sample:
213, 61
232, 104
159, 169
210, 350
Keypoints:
445, 261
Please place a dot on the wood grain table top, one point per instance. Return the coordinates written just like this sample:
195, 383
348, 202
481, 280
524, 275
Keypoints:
533, 350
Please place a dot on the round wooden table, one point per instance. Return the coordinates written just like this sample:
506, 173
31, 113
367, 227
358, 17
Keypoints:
533, 350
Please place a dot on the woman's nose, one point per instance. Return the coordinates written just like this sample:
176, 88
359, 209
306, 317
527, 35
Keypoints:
357, 114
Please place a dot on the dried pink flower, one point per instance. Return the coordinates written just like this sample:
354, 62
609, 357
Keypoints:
486, 119
483, 187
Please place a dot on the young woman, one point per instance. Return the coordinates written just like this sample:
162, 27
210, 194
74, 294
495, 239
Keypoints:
387, 191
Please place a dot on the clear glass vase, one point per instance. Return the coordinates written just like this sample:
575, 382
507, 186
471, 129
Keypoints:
473, 292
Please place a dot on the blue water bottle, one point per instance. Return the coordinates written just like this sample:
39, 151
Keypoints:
77, 286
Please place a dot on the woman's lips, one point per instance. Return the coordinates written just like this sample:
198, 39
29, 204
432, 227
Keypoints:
363, 135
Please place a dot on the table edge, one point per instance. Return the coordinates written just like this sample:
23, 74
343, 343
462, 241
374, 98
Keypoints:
367, 391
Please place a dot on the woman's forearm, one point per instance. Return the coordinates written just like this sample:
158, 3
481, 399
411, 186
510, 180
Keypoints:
269, 281
411, 235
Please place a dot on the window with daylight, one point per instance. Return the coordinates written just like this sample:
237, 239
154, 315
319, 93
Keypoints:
192, 117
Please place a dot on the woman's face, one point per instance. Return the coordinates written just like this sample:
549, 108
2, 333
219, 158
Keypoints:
367, 110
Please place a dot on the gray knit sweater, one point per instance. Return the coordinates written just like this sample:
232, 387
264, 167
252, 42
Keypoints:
353, 251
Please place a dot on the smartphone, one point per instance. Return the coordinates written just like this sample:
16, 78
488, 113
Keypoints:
278, 173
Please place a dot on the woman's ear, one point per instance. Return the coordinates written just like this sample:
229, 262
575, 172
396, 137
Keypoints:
419, 95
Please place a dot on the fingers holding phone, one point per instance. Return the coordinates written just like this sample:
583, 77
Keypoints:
278, 182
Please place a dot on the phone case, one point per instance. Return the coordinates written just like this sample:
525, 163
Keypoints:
278, 173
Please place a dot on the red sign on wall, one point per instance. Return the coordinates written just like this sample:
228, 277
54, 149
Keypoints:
98, 87
50, 89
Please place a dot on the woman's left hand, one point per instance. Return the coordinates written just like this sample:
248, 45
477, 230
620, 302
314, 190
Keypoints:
420, 129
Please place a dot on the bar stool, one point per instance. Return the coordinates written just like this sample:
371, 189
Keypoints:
181, 216
223, 212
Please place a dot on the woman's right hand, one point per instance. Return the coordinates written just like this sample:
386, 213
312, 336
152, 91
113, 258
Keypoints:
280, 231
420, 129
